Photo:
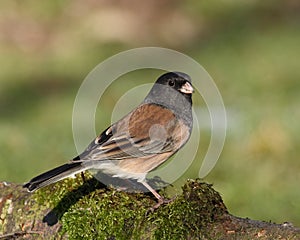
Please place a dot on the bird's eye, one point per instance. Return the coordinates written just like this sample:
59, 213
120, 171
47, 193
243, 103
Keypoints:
171, 83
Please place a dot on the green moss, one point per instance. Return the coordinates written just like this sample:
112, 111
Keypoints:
54, 194
105, 214
88, 212
187, 216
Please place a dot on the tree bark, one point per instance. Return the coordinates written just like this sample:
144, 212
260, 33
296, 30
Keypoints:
77, 209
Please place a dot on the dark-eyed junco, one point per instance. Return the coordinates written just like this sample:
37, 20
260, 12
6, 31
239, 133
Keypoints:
139, 142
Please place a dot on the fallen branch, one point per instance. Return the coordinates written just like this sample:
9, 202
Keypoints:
73, 209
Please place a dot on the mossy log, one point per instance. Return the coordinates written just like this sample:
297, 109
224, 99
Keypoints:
73, 209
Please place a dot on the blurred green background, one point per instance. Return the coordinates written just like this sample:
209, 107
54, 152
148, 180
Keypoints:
250, 48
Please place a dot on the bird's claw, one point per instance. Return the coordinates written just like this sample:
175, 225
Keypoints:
160, 202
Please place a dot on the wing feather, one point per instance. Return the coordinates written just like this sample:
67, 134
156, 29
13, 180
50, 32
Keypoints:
148, 130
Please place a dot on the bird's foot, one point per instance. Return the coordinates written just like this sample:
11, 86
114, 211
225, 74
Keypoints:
160, 202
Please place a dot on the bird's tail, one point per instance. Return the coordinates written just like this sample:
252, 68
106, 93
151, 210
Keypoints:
54, 175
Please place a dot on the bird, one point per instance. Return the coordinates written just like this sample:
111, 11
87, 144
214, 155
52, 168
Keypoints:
140, 141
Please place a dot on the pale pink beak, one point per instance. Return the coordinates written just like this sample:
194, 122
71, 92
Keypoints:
187, 88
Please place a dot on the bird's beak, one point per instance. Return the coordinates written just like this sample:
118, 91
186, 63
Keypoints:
187, 88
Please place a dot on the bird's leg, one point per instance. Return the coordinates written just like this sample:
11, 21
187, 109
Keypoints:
160, 199
83, 177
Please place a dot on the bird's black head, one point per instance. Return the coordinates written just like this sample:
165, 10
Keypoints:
177, 80
173, 90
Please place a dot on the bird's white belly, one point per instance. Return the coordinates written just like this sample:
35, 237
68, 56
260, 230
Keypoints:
112, 168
